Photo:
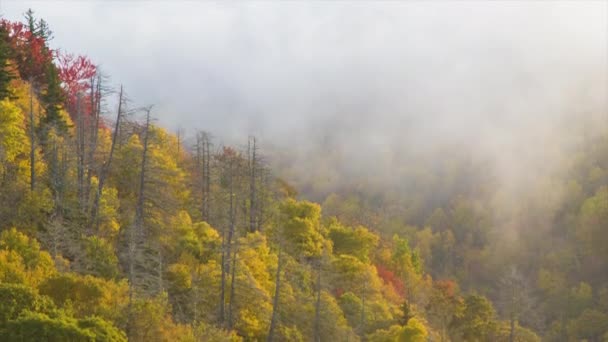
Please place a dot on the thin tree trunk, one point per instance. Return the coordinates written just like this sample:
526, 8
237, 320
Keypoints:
80, 152
202, 164
275, 301
232, 283
252, 194
206, 176
318, 306
136, 231
228, 241
179, 146
261, 201
223, 281
131, 278
106, 166
139, 209
32, 139
94, 126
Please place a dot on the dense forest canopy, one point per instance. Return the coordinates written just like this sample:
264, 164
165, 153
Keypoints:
115, 228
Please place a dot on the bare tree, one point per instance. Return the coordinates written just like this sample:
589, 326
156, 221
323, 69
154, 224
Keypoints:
232, 285
253, 165
32, 139
139, 207
136, 230
275, 300
230, 172
514, 298
80, 147
203, 170
106, 165
94, 121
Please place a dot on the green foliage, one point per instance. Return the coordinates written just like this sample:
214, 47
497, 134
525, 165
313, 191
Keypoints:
87, 295
521, 334
414, 331
100, 259
207, 332
103, 330
16, 299
593, 218
21, 260
591, 325
38, 326
53, 97
301, 228
476, 322
6, 74
151, 322
358, 242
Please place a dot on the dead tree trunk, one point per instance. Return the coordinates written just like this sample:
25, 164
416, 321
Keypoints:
207, 178
262, 198
223, 279
179, 145
139, 208
80, 152
203, 159
32, 139
253, 165
106, 166
204, 156
232, 284
317, 337
275, 301
94, 133
231, 228
136, 230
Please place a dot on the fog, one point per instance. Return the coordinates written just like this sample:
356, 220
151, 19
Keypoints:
365, 80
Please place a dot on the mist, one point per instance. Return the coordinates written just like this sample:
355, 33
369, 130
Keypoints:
370, 83
379, 170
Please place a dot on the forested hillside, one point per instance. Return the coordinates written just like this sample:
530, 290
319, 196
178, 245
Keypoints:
113, 228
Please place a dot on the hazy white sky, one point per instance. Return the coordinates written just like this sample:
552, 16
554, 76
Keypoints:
374, 69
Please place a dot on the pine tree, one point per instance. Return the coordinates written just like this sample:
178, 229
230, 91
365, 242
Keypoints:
6, 74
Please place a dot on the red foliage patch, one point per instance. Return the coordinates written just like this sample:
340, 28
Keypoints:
30, 51
75, 73
389, 278
446, 287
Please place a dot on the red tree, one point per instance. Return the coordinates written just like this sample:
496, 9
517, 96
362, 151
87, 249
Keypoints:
389, 278
76, 73
30, 51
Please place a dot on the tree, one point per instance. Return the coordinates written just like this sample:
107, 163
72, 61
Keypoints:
444, 304
591, 325
476, 322
203, 172
515, 299
105, 168
359, 242
6, 70
275, 300
18, 298
414, 331
32, 326
300, 228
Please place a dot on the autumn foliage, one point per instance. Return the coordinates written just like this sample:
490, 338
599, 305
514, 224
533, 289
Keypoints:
390, 278
30, 51
75, 73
